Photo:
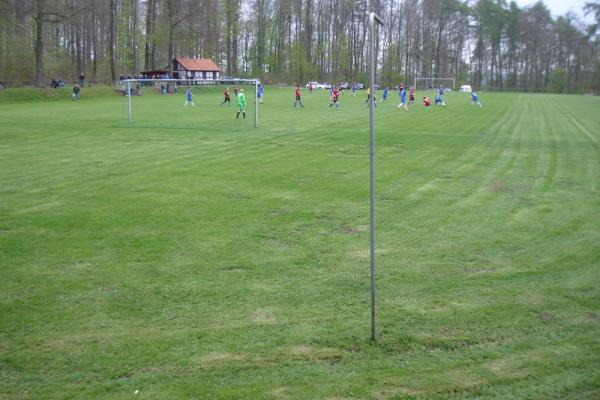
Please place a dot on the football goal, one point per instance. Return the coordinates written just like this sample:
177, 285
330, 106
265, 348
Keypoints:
164, 102
432, 83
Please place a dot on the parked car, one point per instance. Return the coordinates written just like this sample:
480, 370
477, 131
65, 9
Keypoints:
466, 88
361, 86
317, 85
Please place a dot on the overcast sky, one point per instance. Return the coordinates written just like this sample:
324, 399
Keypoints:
559, 7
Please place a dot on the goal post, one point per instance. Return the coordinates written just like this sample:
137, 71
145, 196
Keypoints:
133, 87
374, 21
434, 82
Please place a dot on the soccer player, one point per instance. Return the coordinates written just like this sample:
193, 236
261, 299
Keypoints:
441, 90
439, 101
335, 97
298, 97
475, 99
310, 88
411, 95
402, 99
259, 92
385, 94
188, 97
227, 95
353, 88
236, 89
76, 92
241, 102
369, 97
426, 101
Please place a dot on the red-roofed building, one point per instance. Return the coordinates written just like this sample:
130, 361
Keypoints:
195, 68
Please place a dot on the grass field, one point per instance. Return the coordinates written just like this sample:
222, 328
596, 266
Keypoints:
193, 256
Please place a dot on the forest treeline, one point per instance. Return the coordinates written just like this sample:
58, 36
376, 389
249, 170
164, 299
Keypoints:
491, 44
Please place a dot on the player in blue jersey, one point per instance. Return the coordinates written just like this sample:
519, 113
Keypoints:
441, 91
259, 92
402, 99
188, 97
439, 101
475, 99
385, 94
354, 89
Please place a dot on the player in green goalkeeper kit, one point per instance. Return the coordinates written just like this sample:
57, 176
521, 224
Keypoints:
241, 102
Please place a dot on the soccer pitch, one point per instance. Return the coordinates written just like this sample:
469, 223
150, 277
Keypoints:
194, 256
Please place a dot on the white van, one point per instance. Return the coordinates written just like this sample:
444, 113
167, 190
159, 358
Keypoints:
466, 88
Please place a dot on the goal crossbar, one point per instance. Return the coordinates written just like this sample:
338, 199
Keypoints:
195, 82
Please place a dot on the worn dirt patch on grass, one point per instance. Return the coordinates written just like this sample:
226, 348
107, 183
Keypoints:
264, 316
310, 353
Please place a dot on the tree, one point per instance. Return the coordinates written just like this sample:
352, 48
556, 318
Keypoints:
149, 49
43, 11
491, 43
593, 7
111, 41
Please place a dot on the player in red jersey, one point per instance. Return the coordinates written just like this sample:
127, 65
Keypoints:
426, 101
227, 95
236, 89
411, 95
335, 99
298, 96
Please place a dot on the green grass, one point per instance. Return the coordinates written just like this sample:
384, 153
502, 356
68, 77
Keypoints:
193, 256
29, 94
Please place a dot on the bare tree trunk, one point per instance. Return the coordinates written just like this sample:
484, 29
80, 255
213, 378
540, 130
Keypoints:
94, 47
134, 49
111, 40
39, 43
228, 39
308, 31
149, 47
235, 34
78, 46
171, 47
39, 50
260, 36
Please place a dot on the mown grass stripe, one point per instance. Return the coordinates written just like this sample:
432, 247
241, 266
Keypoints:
233, 263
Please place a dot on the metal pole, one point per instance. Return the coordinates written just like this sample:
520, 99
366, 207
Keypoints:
372, 18
256, 104
129, 101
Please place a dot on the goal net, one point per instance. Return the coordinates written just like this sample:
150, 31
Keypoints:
163, 103
433, 83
